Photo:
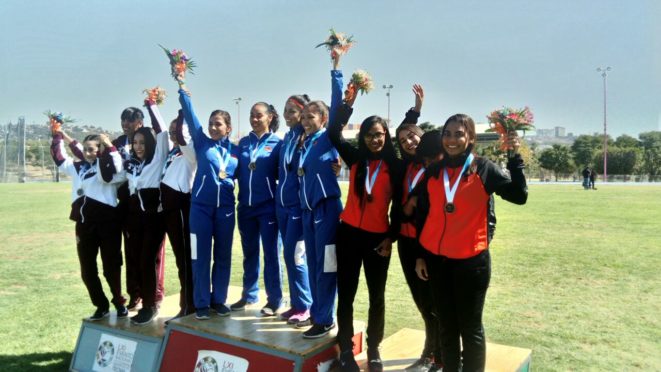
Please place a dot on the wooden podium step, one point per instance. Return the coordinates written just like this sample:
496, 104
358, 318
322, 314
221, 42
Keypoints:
403, 348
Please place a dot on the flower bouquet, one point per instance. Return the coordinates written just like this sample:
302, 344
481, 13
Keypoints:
179, 62
56, 119
155, 96
506, 122
337, 43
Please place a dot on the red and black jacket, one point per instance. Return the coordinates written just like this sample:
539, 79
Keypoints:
469, 229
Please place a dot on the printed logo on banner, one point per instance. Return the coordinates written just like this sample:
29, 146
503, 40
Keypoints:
215, 361
114, 354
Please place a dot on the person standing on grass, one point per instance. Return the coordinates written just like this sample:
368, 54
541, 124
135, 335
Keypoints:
289, 214
212, 208
593, 177
454, 209
132, 120
408, 136
365, 234
258, 171
586, 177
94, 209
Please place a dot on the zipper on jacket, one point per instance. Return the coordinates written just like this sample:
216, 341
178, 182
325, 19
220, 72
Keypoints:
305, 194
268, 184
282, 189
82, 215
250, 189
322, 186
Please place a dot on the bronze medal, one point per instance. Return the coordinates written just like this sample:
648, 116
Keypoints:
449, 207
369, 198
301, 172
80, 192
222, 174
252, 166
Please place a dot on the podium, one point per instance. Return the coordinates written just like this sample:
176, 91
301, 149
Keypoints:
246, 341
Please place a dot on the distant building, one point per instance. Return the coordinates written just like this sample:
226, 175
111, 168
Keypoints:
559, 131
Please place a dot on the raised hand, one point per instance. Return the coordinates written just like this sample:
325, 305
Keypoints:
350, 94
335, 57
419, 97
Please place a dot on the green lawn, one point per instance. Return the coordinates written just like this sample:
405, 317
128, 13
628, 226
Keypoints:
575, 278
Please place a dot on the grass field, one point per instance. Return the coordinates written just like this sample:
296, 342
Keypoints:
575, 278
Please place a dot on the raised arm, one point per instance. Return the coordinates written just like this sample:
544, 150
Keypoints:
59, 154
194, 126
157, 122
184, 139
413, 114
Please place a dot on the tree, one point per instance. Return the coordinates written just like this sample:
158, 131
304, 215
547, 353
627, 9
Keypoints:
651, 164
626, 141
427, 126
584, 148
557, 159
620, 160
650, 139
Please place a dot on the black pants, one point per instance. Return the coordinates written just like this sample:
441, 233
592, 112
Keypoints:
460, 287
422, 296
144, 246
355, 248
91, 238
178, 231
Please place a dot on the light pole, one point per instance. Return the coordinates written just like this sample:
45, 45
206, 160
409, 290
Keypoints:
388, 87
604, 73
238, 116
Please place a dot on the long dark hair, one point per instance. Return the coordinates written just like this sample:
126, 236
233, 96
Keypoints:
469, 125
388, 153
410, 127
150, 143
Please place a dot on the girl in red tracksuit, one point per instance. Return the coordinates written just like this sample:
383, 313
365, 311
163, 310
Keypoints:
455, 218
365, 235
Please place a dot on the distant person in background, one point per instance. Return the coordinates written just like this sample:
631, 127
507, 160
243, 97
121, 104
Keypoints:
592, 177
586, 177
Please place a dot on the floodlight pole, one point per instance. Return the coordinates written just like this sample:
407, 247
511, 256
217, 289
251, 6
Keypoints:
604, 74
388, 88
238, 116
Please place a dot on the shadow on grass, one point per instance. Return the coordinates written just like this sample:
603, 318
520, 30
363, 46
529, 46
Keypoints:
36, 362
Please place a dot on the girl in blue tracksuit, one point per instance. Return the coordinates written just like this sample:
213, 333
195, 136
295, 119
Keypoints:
288, 212
257, 174
212, 208
320, 200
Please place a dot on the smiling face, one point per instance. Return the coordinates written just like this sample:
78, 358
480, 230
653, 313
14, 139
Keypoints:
293, 113
90, 150
408, 141
313, 119
129, 127
456, 139
218, 127
139, 146
172, 132
260, 118
375, 138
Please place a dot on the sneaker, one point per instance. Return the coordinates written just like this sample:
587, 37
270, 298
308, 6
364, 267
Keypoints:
221, 309
99, 314
348, 362
374, 362
299, 317
318, 330
422, 364
145, 316
287, 314
202, 314
122, 311
133, 303
270, 310
240, 305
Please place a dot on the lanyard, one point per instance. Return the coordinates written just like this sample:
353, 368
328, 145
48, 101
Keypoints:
223, 159
308, 146
370, 184
254, 152
291, 147
450, 191
171, 156
412, 184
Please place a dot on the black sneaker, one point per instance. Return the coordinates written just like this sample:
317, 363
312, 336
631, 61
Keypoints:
145, 316
202, 314
304, 323
240, 305
374, 362
435, 367
348, 362
133, 303
269, 310
318, 330
422, 364
98, 314
122, 311
222, 309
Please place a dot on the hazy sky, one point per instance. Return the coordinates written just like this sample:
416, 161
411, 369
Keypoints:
91, 59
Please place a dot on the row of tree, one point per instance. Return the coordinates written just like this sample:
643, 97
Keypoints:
626, 156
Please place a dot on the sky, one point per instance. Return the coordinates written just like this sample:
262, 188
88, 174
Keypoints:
91, 59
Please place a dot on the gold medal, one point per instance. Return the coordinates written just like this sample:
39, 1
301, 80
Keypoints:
252, 166
222, 174
301, 172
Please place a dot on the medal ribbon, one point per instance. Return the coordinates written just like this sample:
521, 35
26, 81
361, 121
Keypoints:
254, 152
370, 184
415, 179
291, 147
171, 155
223, 159
450, 191
308, 145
